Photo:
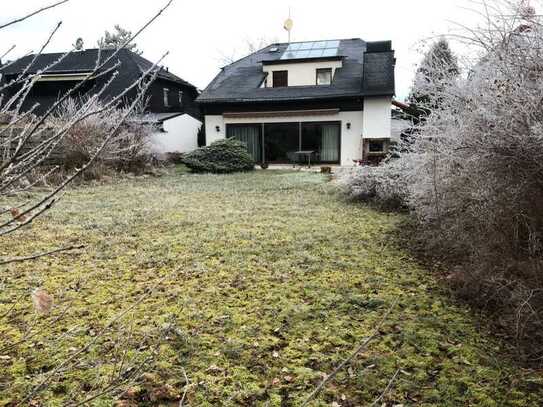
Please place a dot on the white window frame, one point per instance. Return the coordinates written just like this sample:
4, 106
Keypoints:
328, 70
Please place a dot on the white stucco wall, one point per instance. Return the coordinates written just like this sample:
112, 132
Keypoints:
302, 74
377, 117
351, 139
211, 123
372, 122
180, 135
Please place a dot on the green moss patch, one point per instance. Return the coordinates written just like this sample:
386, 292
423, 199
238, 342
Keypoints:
264, 281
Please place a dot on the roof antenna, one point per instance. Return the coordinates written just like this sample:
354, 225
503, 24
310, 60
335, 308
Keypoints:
288, 25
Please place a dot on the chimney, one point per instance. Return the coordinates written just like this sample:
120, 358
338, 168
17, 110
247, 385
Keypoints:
379, 46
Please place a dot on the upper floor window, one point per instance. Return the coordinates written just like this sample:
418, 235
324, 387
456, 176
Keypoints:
166, 97
280, 79
324, 76
180, 96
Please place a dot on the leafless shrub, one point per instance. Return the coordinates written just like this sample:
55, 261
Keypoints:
27, 142
249, 46
129, 150
474, 175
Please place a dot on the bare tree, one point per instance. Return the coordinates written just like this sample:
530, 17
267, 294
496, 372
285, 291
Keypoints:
249, 46
26, 142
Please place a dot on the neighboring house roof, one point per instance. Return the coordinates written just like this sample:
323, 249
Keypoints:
157, 118
85, 61
368, 69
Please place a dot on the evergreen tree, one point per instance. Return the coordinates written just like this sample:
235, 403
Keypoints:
117, 39
438, 68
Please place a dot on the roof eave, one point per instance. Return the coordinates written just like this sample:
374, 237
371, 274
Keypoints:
279, 99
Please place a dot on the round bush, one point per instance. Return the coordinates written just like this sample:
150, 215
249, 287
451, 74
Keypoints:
221, 157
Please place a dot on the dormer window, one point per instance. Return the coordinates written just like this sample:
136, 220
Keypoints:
324, 76
280, 79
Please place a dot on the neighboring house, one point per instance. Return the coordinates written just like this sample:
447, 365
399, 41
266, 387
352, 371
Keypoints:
169, 96
329, 97
169, 126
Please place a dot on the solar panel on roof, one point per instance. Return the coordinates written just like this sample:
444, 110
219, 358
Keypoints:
311, 49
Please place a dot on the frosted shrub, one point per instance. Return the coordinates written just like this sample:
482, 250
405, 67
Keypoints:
384, 185
129, 150
473, 179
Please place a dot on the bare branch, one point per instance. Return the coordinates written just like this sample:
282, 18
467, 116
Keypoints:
359, 349
41, 10
49, 200
40, 255
7, 52
387, 389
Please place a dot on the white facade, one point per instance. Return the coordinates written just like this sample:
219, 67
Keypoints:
300, 74
180, 135
371, 122
377, 117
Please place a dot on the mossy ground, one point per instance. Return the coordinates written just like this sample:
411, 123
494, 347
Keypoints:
270, 280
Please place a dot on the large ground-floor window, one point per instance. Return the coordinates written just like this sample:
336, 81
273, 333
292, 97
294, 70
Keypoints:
251, 135
283, 142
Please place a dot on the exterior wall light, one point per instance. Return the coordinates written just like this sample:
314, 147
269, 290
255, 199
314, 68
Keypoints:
349, 126
218, 129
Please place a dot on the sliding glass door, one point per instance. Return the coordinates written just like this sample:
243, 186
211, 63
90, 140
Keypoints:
323, 139
250, 135
284, 142
281, 141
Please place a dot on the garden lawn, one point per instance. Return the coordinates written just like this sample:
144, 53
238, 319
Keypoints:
251, 286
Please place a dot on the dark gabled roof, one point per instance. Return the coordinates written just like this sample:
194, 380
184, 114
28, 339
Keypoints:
85, 61
362, 74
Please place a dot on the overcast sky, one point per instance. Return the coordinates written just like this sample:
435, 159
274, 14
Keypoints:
198, 33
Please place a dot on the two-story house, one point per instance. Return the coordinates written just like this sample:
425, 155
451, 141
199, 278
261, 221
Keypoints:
330, 99
170, 100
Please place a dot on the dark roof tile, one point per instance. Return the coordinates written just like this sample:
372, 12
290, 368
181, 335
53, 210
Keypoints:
361, 74
85, 61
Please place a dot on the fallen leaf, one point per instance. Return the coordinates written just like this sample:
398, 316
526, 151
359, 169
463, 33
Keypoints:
214, 368
43, 302
16, 213
131, 393
165, 393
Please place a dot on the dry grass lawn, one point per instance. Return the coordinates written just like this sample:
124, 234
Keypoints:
253, 285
